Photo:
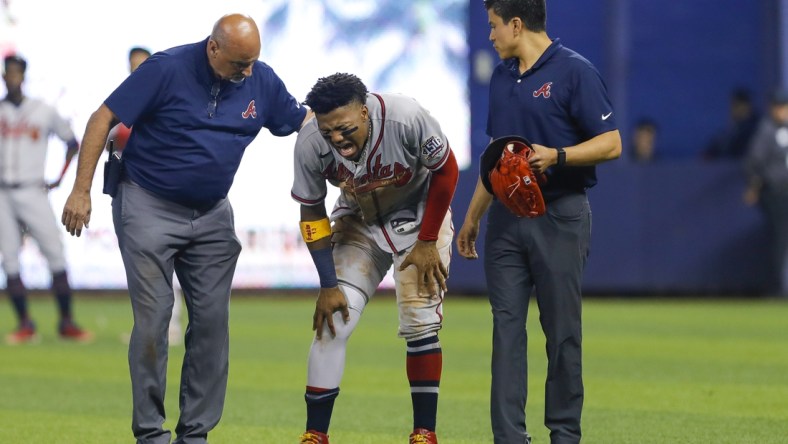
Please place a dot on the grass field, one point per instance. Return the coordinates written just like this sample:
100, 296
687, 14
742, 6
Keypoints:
656, 371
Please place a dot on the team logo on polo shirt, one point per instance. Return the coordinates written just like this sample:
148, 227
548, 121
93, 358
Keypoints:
251, 111
431, 147
544, 90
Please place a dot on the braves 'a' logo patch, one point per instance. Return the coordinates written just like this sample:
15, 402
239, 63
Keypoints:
544, 91
432, 147
251, 111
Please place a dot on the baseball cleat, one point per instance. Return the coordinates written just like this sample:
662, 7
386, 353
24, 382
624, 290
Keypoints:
423, 436
24, 334
314, 437
70, 331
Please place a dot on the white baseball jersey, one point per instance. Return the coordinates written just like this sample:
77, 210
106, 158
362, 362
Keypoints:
388, 185
24, 137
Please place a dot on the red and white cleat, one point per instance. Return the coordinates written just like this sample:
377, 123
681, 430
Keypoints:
423, 436
70, 331
313, 437
24, 334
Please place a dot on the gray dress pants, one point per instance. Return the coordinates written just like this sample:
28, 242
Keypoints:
155, 237
546, 254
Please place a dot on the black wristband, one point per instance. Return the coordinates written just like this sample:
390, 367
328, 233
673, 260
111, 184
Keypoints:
561, 157
324, 263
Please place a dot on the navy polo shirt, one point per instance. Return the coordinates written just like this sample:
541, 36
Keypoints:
561, 101
190, 129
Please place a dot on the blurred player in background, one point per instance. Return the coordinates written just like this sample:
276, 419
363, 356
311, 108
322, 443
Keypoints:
120, 136
137, 55
556, 99
25, 126
397, 175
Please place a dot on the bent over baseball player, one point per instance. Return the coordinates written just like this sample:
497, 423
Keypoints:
25, 126
397, 175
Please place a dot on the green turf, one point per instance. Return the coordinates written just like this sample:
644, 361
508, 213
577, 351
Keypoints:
656, 371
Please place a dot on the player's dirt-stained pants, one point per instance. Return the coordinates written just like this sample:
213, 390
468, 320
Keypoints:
361, 265
157, 236
29, 205
549, 253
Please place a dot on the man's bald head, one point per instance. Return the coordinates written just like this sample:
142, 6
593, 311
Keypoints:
233, 47
237, 30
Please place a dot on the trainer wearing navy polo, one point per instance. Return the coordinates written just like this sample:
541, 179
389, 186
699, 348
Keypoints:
194, 108
554, 98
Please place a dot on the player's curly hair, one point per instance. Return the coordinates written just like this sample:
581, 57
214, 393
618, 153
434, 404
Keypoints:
334, 91
533, 13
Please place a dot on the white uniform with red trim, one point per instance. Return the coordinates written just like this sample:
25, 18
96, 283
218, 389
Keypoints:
24, 139
377, 217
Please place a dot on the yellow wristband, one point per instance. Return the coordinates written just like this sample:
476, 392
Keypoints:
315, 230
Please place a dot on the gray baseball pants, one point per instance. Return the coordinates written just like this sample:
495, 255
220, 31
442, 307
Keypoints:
548, 254
157, 236
29, 205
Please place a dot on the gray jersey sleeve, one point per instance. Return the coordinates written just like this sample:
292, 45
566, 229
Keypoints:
422, 131
311, 159
60, 126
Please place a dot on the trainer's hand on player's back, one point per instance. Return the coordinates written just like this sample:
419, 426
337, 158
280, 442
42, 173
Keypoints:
431, 271
76, 212
329, 300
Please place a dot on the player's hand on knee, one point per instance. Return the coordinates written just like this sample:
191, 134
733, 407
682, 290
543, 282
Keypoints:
329, 301
434, 280
432, 274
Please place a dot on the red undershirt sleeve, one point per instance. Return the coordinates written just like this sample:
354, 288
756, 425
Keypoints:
443, 182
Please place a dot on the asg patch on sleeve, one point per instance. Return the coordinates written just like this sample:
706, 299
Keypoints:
432, 147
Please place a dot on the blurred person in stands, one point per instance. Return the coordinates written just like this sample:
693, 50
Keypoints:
766, 164
25, 126
644, 141
732, 141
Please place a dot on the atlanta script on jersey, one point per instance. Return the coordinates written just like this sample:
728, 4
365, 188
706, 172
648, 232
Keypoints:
24, 138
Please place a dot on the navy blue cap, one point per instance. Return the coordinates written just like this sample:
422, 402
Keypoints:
491, 155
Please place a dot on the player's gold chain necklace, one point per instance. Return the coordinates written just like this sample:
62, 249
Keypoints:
363, 155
